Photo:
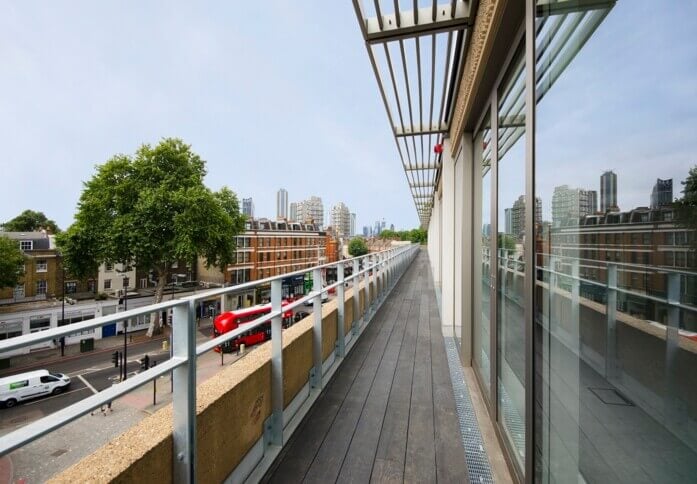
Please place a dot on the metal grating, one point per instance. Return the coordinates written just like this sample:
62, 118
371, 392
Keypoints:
512, 421
475, 455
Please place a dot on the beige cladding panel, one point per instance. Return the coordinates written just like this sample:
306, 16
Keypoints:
297, 360
348, 315
329, 320
231, 422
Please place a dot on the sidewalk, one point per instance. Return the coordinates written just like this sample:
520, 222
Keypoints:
51, 356
89, 432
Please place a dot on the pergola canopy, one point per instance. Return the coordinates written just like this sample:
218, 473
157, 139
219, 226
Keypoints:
417, 55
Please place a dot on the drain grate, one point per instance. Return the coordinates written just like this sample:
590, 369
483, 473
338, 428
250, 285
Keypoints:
475, 455
610, 396
59, 452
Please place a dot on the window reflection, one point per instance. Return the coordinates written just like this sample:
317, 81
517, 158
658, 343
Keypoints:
482, 252
615, 293
510, 314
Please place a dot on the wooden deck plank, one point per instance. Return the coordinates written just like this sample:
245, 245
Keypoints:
450, 465
389, 413
420, 463
389, 455
295, 460
330, 456
358, 463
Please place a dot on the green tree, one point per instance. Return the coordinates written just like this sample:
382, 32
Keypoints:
507, 242
417, 236
357, 247
152, 209
31, 221
686, 207
11, 262
389, 235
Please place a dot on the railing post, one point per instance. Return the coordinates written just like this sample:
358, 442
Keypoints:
674, 408
375, 260
340, 314
356, 284
184, 398
611, 373
389, 269
316, 376
383, 270
366, 287
575, 306
275, 424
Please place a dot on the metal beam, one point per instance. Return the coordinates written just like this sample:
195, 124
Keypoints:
402, 25
553, 7
430, 166
420, 130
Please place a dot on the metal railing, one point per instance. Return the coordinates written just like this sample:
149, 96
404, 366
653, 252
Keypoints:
674, 278
379, 271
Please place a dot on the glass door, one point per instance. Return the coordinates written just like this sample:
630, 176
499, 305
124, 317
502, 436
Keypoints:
509, 256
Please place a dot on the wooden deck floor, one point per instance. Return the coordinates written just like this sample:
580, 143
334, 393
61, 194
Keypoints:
388, 415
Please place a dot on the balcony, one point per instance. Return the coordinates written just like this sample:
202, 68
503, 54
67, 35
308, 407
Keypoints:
377, 402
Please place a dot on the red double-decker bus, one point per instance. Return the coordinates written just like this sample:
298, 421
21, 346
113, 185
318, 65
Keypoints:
231, 320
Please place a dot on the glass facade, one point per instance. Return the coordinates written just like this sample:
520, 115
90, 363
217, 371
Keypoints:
616, 393
510, 317
482, 252
605, 322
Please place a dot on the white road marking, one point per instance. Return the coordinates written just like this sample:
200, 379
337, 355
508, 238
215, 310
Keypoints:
87, 384
41, 400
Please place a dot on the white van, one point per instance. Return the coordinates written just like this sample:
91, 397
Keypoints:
29, 385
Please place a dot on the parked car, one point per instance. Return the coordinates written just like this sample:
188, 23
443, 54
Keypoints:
33, 384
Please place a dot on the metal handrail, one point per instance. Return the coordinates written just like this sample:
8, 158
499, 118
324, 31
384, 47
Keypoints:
386, 266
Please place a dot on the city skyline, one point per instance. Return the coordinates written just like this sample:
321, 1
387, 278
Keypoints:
107, 97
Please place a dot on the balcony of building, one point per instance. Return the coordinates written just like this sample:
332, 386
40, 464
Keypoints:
553, 344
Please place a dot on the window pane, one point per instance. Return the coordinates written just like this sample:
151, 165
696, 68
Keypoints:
482, 253
615, 390
511, 270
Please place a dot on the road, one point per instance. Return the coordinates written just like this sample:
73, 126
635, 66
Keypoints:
89, 374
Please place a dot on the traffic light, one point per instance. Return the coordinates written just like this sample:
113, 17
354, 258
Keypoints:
115, 359
145, 363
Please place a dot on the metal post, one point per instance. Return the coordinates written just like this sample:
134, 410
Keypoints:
611, 373
366, 287
675, 411
380, 282
276, 427
356, 298
184, 398
125, 337
575, 304
341, 307
316, 379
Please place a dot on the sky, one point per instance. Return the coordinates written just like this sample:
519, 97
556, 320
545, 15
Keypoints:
273, 94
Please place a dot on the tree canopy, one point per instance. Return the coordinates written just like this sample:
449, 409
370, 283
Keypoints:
31, 221
686, 206
152, 209
417, 236
357, 247
11, 262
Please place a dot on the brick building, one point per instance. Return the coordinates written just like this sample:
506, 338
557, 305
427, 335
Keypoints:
42, 271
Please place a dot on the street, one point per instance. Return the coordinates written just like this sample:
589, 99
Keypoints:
91, 373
